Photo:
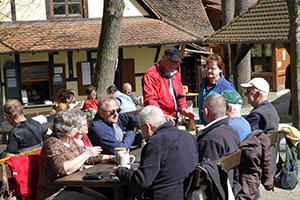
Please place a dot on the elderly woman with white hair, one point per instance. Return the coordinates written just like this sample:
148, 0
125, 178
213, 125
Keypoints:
61, 156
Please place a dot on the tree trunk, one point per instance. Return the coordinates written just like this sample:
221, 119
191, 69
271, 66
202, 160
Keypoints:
108, 45
242, 72
227, 16
294, 14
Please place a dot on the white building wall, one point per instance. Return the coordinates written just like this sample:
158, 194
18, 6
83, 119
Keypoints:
28, 10
31, 10
132, 9
5, 11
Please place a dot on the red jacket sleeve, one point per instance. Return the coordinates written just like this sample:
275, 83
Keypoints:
150, 90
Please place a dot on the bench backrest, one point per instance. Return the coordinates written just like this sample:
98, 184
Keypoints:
6, 167
232, 160
26, 153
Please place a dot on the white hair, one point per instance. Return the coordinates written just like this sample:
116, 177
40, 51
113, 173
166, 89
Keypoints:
235, 108
152, 115
216, 104
264, 94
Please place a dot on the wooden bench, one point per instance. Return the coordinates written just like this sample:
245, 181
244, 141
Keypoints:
233, 160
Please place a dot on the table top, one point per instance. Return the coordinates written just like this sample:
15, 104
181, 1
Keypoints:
75, 179
190, 94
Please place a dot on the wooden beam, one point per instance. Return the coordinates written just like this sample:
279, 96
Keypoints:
157, 54
231, 160
287, 46
241, 53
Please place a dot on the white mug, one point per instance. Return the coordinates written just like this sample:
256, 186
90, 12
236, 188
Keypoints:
126, 159
118, 152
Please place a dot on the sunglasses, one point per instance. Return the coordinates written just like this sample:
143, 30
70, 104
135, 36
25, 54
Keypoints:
112, 111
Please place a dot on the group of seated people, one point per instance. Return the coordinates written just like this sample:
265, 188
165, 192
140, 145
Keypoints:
168, 157
66, 99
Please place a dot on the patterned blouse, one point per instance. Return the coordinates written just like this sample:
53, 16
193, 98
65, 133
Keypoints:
53, 155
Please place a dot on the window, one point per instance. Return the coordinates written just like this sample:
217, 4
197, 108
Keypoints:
66, 8
261, 58
35, 84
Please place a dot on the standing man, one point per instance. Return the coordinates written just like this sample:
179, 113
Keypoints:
234, 103
263, 116
162, 86
166, 159
107, 129
217, 139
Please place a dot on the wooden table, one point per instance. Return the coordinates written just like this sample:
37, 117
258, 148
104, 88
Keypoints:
75, 180
193, 95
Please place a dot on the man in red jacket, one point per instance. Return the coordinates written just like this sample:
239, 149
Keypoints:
162, 86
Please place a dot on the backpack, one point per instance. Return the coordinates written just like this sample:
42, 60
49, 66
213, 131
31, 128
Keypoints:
208, 181
286, 176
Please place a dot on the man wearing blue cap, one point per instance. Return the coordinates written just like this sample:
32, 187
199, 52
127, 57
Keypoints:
162, 86
234, 103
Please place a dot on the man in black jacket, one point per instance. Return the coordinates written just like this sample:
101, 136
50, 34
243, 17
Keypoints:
263, 116
167, 158
218, 138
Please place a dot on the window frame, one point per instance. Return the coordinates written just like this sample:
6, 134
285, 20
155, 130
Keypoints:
66, 15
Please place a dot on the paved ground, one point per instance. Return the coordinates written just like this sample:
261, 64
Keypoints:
281, 102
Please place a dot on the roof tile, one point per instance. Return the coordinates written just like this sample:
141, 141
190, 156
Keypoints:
189, 15
78, 35
265, 22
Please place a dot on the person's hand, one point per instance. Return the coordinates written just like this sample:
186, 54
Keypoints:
115, 169
94, 151
112, 159
171, 119
188, 113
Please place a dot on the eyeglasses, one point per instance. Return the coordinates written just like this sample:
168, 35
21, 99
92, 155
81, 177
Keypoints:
212, 69
140, 129
112, 111
249, 90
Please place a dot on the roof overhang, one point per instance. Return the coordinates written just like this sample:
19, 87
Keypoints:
267, 21
67, 36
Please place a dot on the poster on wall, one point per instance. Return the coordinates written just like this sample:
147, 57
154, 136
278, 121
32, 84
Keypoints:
58, 75
58, 79
86, 73
11, 80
